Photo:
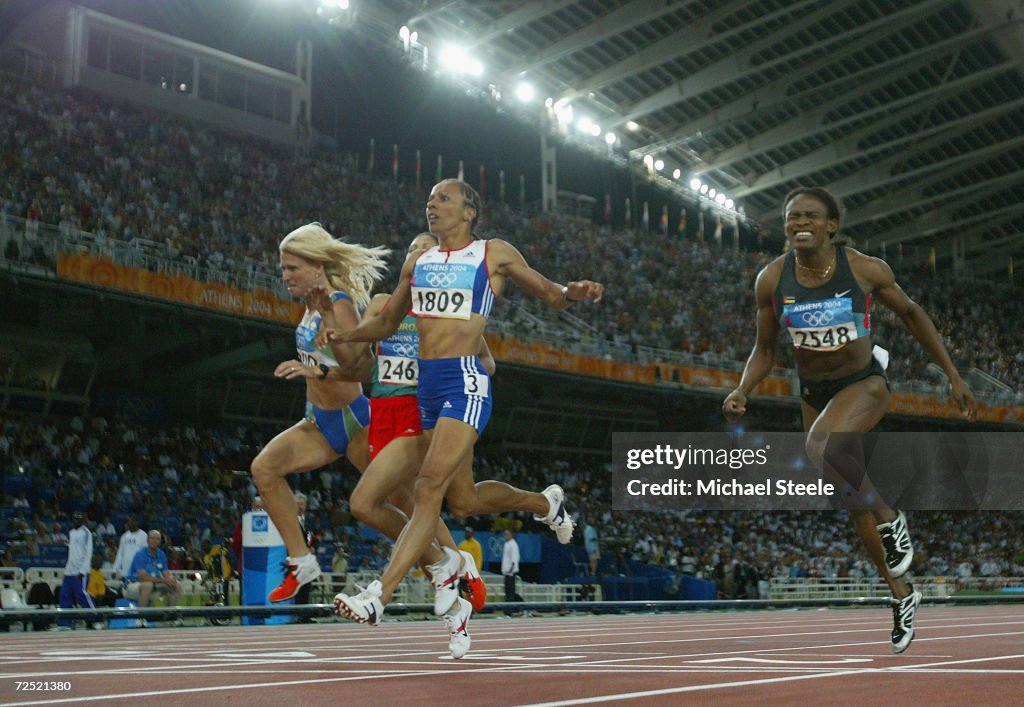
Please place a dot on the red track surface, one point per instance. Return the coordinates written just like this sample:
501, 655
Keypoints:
837, 656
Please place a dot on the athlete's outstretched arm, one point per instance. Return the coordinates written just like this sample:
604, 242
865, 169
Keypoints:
920, 326
512, 264
339, 314
386, 322
762, 357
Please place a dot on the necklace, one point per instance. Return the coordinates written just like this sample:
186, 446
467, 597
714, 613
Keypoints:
822, 273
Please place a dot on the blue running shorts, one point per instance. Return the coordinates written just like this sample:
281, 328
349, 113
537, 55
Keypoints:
454, 387
340, 426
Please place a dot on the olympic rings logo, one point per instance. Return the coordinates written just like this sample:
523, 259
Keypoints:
496, 545
441, 279
406, 350
818, 318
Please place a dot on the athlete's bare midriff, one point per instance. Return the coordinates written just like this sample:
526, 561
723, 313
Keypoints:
450, 338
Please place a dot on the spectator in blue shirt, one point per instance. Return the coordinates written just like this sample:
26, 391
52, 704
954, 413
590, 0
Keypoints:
148, 573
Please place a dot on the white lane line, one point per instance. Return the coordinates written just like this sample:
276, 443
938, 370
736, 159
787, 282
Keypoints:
924, 668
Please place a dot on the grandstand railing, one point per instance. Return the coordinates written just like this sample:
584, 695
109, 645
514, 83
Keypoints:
39, 244
415, 591
781, 588
195, 588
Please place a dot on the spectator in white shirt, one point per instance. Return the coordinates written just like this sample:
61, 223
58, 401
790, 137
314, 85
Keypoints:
76, 570
105, 529
132, 540
510, 566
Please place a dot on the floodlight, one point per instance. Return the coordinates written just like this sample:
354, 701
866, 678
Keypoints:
563, 111
525, 91
457, 60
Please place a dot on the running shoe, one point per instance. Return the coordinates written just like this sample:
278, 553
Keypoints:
558, 519
903, 611
472, 584
899, 552
299, 571
457, 621
445, 576
365, 607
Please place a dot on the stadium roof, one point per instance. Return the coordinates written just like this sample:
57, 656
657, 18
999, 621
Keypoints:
913, 112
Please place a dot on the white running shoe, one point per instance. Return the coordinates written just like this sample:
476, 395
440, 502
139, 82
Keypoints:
557, 518
445, 576
298, 572
457, 621
899, 551
365, 607
903, 612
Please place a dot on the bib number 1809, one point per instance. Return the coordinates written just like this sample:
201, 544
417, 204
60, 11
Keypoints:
442, 303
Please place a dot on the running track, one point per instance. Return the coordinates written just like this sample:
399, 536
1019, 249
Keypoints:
972, 654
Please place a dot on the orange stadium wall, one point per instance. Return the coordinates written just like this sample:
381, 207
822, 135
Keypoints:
545, 356
927, 406
96, 270
101, 271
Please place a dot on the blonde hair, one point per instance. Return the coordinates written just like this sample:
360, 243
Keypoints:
351, 268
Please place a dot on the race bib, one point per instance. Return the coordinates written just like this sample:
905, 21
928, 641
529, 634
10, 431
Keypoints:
453, 303
398, 370
822, 325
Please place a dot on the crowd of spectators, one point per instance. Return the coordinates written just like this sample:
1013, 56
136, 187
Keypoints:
222, 202
187, 482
